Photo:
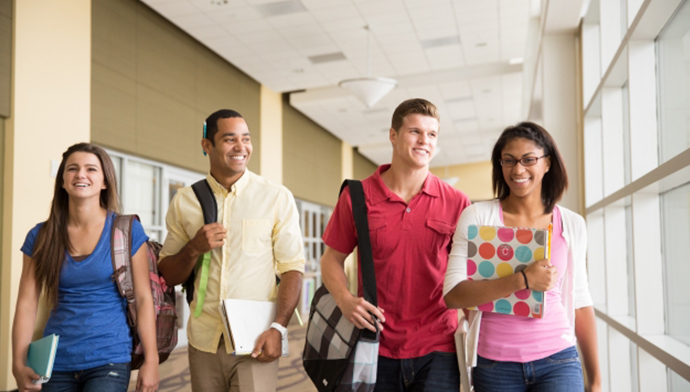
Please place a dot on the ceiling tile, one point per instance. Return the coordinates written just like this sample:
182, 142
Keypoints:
239, 27
193, 20
321, 4
351, 23
234, 14
207, 32
377, 21
176, 8
335, 13
290, 20
381, 7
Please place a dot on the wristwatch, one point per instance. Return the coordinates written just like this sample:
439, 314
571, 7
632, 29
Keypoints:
283, 331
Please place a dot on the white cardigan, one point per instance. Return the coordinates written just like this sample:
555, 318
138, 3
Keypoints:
574, 290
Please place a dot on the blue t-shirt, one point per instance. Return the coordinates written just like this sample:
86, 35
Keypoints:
90, 313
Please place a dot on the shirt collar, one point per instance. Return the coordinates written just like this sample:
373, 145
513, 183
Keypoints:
380, 192
236, 188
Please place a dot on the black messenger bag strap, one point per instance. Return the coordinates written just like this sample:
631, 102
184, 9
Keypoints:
209, 209
359, 212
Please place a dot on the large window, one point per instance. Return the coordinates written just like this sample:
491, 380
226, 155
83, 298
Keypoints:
313, 221
146, 189
673, 46
676, 246
636, 133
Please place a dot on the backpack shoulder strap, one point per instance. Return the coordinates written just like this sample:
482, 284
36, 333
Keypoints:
121, 255
359, 212
209, 209
204, 194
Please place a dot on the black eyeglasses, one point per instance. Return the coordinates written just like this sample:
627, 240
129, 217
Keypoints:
526, 161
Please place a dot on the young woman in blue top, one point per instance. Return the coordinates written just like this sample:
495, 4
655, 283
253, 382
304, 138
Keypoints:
68, 257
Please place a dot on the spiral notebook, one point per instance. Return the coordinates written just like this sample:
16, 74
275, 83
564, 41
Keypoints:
497, 251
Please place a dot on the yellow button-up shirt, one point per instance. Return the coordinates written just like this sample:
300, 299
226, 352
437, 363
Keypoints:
263, 238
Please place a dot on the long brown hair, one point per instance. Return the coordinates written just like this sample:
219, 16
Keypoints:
52, 240
555, 181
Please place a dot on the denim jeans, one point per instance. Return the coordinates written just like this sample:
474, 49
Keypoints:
435, 372
560, 372
113, 377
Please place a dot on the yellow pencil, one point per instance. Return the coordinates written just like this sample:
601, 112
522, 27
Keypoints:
549, 241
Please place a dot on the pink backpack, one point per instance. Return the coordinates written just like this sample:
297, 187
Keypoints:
163, 296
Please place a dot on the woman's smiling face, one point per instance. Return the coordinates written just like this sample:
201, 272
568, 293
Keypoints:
524, 180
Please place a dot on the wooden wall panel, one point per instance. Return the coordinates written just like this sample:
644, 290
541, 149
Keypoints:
153, 85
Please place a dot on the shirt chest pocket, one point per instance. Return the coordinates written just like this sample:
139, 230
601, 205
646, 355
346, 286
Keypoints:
256, 235
377, 227
438, 235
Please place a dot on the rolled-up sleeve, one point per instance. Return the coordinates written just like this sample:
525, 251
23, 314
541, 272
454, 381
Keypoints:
288, 248
176, 237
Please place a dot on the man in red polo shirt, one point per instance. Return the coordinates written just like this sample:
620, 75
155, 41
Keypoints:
412, 217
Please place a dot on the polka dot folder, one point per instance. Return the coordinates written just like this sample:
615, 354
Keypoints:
495, 252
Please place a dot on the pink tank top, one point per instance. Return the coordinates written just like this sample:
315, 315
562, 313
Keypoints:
522, 339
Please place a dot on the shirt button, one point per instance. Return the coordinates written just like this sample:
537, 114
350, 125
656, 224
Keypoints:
407, 210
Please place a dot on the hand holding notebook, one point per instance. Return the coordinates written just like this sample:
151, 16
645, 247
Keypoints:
495, 252
41, 357
246, 320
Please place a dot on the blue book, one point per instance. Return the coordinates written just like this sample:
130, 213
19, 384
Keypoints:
41, 357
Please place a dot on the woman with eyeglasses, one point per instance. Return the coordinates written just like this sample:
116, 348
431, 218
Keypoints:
511, 353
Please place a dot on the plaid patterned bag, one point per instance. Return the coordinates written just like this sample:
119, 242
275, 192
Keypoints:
337, 355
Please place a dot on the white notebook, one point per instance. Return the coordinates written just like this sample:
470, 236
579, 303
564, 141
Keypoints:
245, 320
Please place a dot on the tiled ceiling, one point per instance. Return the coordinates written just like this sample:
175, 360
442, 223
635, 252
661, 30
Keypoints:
455, 53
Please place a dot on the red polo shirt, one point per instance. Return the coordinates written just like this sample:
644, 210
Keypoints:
410, 243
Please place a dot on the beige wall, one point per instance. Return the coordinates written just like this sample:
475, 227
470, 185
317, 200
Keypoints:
311, 159
51, 63
474, 179
362, 167
271, 135
153, 86
5, 56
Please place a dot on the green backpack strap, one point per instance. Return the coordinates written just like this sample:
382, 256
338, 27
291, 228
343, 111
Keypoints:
209, 208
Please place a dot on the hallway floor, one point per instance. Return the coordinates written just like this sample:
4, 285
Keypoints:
174, 373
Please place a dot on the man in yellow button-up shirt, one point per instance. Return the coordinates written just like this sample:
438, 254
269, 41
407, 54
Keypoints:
257, 235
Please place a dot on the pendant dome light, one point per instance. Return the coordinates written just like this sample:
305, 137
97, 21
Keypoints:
369, 90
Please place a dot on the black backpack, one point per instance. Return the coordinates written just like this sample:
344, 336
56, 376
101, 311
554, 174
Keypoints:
209, 208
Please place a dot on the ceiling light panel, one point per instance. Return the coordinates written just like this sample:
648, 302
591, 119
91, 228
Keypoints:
440, 42
280, 8
320, 4
327, 58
